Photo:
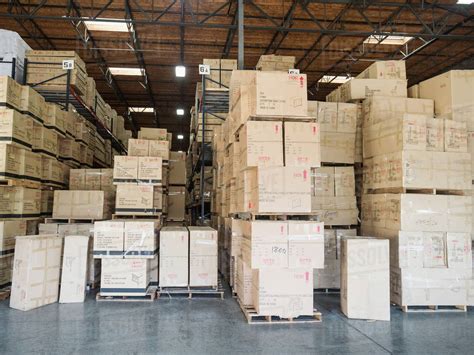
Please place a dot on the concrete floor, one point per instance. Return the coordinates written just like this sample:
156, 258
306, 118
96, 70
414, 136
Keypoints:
214, 326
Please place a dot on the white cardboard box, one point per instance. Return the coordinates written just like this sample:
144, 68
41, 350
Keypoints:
174, 257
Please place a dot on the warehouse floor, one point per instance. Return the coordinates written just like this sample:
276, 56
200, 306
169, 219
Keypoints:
216, 326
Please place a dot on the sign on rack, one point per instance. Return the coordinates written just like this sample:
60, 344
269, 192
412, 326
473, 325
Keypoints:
68, 64
293, 71
204, 69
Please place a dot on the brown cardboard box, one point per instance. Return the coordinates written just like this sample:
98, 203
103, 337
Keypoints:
91, 179
338, 147
305, 244
33, 104
150, 170
159, 149
177, 168
434, 134
359, 89
385, 69
36, 271
286, 293
45, 141
221, 71
16, 128
365, 278
126, 169
138, 147
19, 202
10, 92
10, 161
335, 211
47, 201
82, 204
8, 231
69, 150
55, 119
174, 257
302, 144
202, 256
323, 181
159, 134
261, 143
176, 203
52, 171
138, 200
455, 136
273, 62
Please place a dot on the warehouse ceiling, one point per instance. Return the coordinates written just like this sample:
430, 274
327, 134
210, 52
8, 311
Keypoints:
326, 37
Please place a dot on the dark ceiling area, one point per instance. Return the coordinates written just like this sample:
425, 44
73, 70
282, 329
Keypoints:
326, 37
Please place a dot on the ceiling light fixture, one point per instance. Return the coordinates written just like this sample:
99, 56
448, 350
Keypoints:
126, 71
180, 136
180, 112
465, 2
142, 109
388, 40
180, 71
334, 79
110, 25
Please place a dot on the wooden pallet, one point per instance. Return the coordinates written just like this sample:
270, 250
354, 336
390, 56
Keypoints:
432, 309
254, 318
149, 297
70, 220
192, 292
5, 294
327, 290
277, 216
427, 191
20, 183
135, 216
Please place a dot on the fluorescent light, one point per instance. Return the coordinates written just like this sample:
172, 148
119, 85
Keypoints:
180, 71
111, 26
334, 79
180, 112
142, 109
180, 136
388, 40
465, 2
126, 71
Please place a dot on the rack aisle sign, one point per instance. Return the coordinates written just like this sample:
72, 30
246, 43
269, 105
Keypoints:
68, 64
204, 69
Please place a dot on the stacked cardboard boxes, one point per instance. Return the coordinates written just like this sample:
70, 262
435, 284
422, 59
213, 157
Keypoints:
273, 62
139, 175
177, 180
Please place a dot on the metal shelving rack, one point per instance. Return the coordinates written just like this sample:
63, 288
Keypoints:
212, 102
69, 96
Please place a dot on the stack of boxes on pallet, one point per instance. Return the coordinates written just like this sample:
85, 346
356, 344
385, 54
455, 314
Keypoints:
416, 174
188, 257
176, 205
139, 175
264, 155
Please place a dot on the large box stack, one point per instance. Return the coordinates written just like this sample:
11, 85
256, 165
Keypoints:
416, 176
128, 252
141, 176
273, 62
333, 192
177, 179
264, 153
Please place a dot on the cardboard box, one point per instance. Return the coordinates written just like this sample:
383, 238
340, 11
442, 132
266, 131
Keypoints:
159, 149
435, 134
19, 202
365, 278
174, 257
36, 271
323, 181
221, 71
243, 282
330, 276
10, 92
453, 95
55, 118
302, 144
138, 199
177, 168
385, 69
337, 147
32, 104
125, 277
138, 147
159, 134
278, 189
10, 161
91, 179
47, 201
80, 204
202, 256
8, 231
16, 128
176, 203
74, 269
305, 244
45, 141
335, 211
455, 136
126, 169
109, 239
287, 293
261, 143
52, 171
69, 150
141, 239
150, 170
360, 89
